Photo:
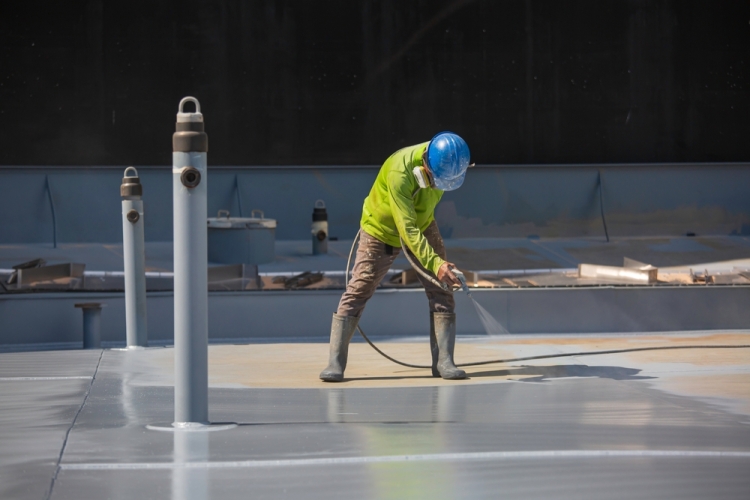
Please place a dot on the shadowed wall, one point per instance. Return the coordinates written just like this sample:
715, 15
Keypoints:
348, 82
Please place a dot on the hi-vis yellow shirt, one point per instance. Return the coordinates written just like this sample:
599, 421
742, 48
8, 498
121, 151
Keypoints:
396, 206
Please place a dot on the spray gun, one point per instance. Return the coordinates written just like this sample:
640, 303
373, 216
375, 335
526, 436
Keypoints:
429, 278
462, 279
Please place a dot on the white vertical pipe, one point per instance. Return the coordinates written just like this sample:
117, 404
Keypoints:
189, 176
134, 257
190, 483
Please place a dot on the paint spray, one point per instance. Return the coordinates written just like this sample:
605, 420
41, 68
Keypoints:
490, 324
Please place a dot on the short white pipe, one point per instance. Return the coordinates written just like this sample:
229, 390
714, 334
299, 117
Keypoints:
134, 259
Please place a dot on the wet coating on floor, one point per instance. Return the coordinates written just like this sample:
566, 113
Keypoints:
651, 424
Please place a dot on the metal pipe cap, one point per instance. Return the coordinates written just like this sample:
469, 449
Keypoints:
131, 185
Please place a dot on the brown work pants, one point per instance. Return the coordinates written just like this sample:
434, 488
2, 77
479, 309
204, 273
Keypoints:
373, 260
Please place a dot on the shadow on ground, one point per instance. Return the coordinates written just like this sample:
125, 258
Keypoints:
545, 373
531, 374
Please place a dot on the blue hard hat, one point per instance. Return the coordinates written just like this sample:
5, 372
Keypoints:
448, 159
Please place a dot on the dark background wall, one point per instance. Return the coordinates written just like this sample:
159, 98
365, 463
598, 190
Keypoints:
347, 82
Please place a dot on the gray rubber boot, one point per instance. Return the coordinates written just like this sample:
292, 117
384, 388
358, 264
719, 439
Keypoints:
433, 346
445, 335
342, 329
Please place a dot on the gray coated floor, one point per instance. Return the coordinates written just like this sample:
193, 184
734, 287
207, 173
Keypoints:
74, 426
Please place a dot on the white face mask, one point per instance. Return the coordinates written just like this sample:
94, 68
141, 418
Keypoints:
423, 178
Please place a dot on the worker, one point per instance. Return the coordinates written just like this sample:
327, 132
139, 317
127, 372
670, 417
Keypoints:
400, 211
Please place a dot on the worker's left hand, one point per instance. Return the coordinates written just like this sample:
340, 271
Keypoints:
445, 274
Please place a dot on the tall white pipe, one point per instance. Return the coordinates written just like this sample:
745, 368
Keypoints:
189, 176
134, 256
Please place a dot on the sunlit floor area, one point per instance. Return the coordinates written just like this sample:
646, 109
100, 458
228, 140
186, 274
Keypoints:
640, 422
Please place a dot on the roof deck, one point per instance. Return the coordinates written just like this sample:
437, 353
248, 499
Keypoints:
645, 424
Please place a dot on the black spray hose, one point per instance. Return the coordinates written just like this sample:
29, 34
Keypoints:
527, 358
568, 354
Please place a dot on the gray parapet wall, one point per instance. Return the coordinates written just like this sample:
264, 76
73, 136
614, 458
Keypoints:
494, 202
238, 316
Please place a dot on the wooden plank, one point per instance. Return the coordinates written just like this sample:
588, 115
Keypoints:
627, 274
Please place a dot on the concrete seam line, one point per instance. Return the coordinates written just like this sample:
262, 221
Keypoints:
490, 455
72, 424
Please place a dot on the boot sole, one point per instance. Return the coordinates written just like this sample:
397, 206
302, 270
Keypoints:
331, 378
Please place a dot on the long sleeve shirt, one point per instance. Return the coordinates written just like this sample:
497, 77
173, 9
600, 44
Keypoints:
397, 208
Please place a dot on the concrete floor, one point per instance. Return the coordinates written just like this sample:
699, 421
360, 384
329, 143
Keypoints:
654, 424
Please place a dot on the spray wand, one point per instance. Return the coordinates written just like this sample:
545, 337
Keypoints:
429, 278
462, 279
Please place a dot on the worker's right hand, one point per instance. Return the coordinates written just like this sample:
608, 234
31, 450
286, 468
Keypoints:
445, 274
